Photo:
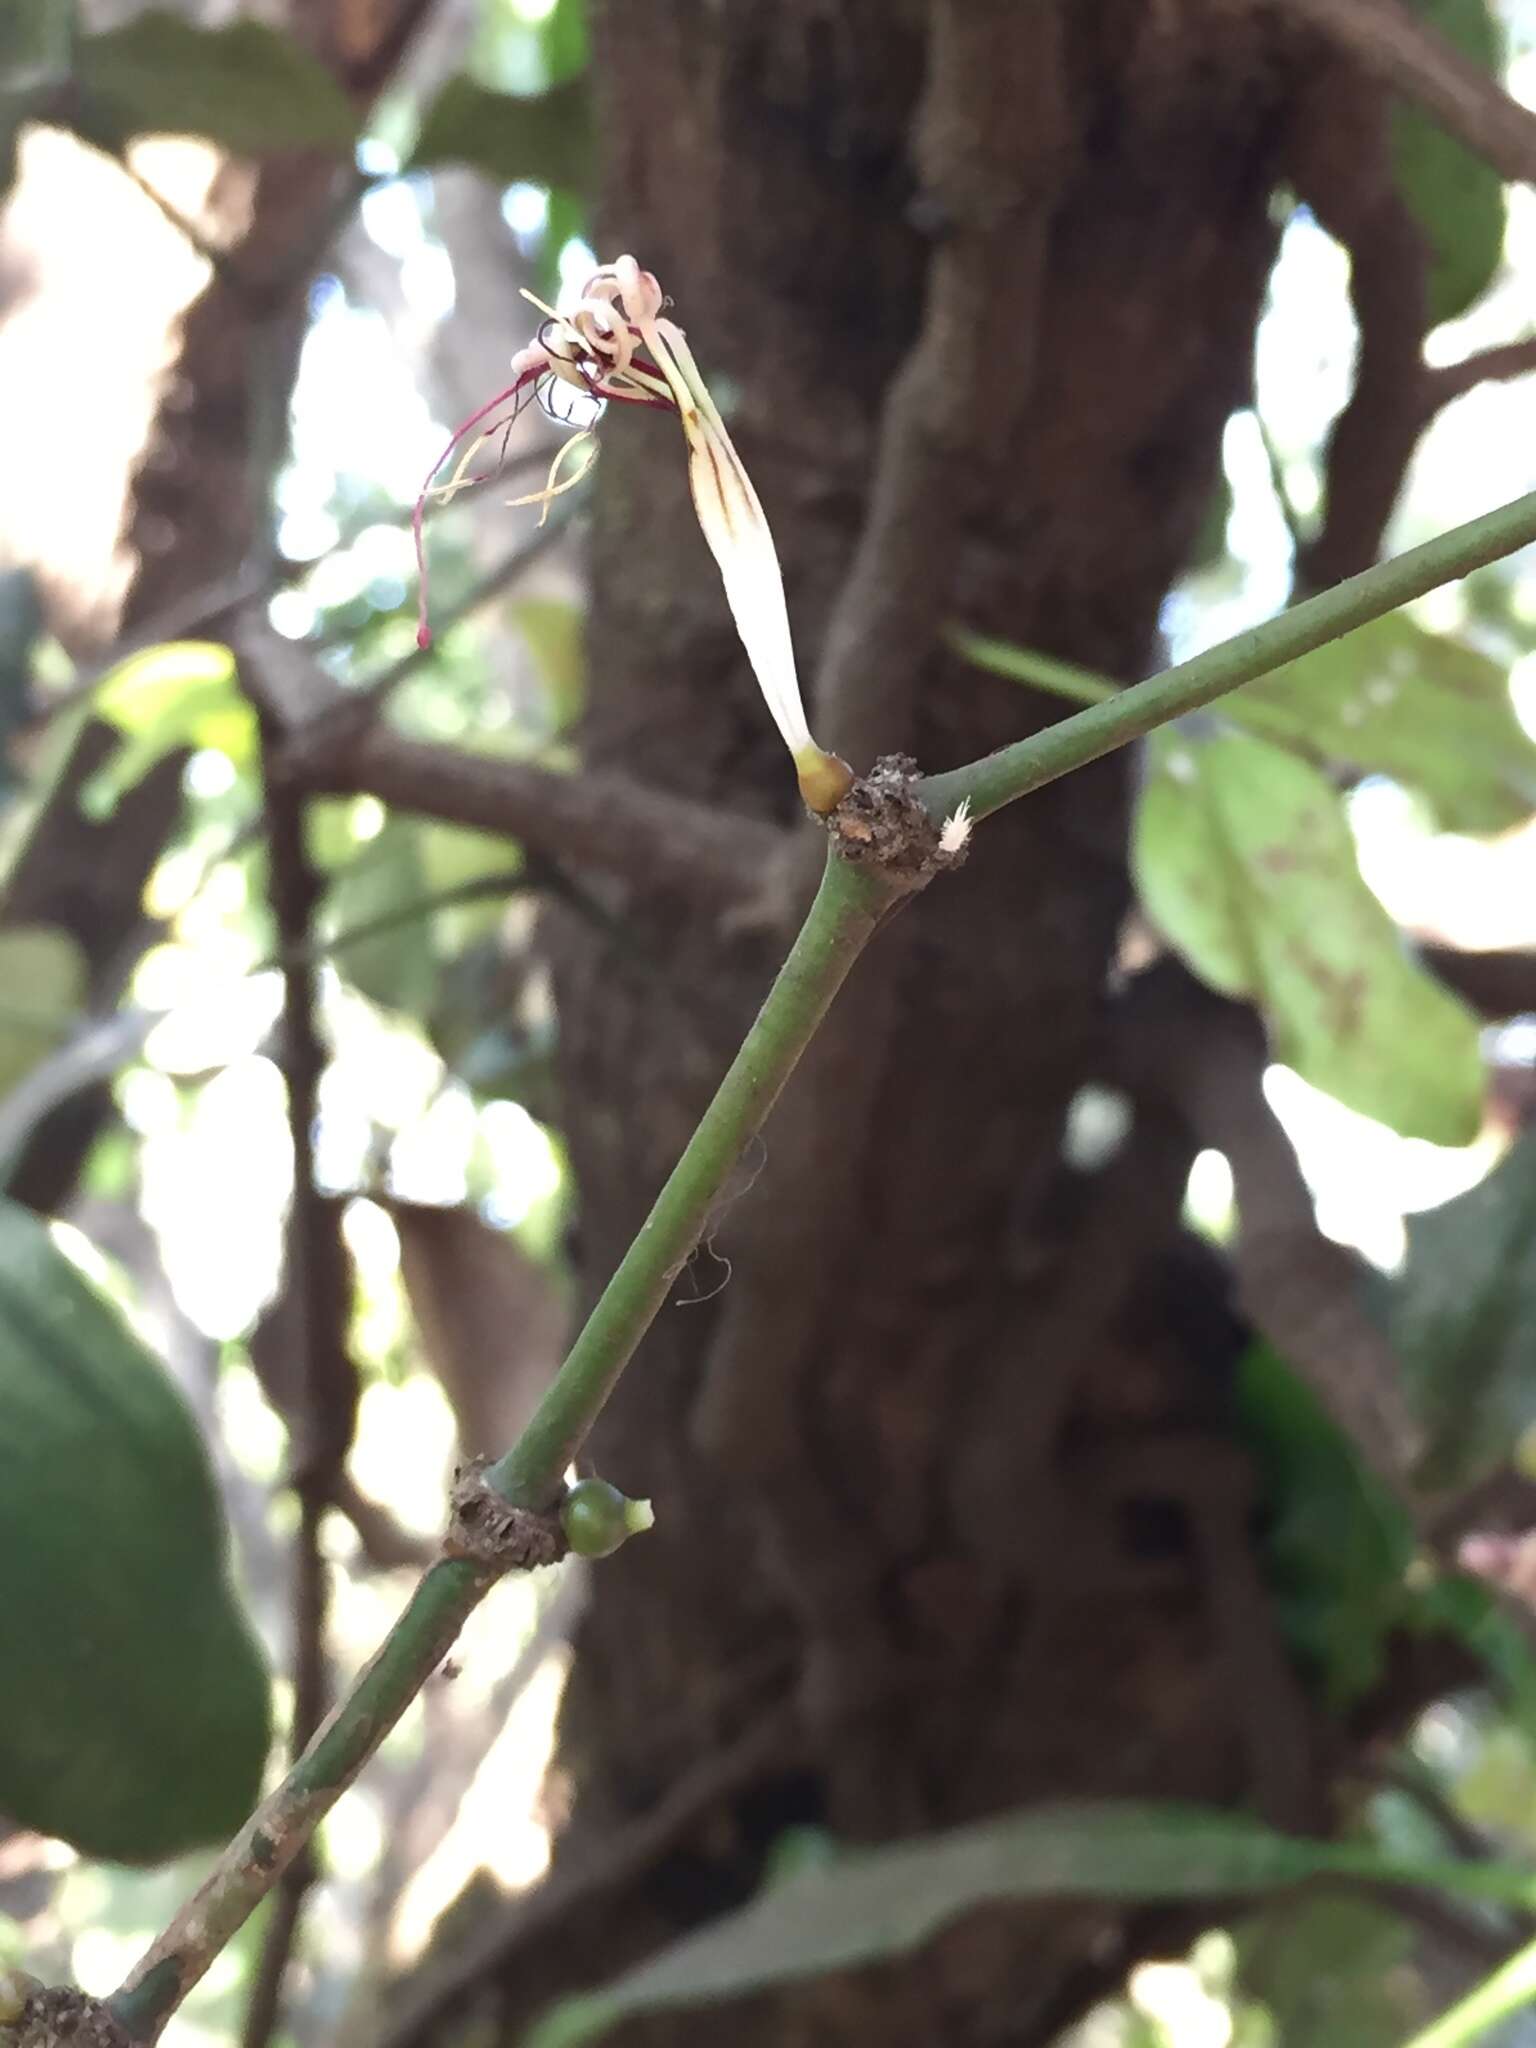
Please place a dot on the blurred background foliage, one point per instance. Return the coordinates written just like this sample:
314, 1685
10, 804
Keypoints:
438, 1140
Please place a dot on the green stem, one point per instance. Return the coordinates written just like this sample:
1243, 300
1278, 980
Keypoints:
1511, 1987
847, 909
285, 1820
848, 906
1016, 770
1025, 665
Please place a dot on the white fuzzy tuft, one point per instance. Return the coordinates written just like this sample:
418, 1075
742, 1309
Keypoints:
956, 829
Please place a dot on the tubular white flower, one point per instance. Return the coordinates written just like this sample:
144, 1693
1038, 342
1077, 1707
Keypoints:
612, 343
736, 528
730, 515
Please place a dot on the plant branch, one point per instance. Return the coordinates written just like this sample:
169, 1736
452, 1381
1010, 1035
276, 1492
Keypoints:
219, 260
1391, 41
1355, 196
1499, 365
1494, 1999
990, 143
210, 607
847, 910
316, 1297
1014, 771
277, 1831
1205, 1056
200, 611
603, 822
849, 907
600, 821
624, 1858
1498, 984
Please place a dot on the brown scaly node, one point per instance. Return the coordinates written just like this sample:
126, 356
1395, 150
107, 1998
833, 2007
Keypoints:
57, 2017
488, 1531
881, 823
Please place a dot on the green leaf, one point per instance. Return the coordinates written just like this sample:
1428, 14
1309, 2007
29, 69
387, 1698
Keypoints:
455, 861
1456, 196
134, 1716
181, 694
1463, 1320
553, 630
407, 902
563, 36
332, 834
1395, 700
1331, 1972
392, 959
21, 622
15, 109
1338, 1543
545, 139
35, 40
566, 218
1470, 1610
1245, 861
246, 86
485, 1043
870, 1906
1026, 665
43, 977
147, 692
1387, 699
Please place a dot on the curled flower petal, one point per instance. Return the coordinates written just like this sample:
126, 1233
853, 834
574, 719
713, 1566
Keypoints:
586, 443
614, 344
524, 380
736, 529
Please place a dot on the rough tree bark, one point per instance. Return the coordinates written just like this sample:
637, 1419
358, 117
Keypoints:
952, 1511
950, 1505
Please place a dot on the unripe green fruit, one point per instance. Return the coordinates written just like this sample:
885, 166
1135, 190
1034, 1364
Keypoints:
597, 1518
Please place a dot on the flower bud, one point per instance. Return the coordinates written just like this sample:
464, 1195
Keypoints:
597, 1518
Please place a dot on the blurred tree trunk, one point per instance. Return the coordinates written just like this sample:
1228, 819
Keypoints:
194, 508
950, 1505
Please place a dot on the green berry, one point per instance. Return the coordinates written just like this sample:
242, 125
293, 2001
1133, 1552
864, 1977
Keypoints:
597, 1518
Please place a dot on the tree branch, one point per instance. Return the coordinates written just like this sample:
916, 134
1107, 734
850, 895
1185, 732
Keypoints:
526, 1482
1352, 188
1495, 1998
1488, 366
1295, 1285
1397, 46
1500, 985
316, 1296
849, 907
600, 821
991, 144
989, 160
626, 1855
